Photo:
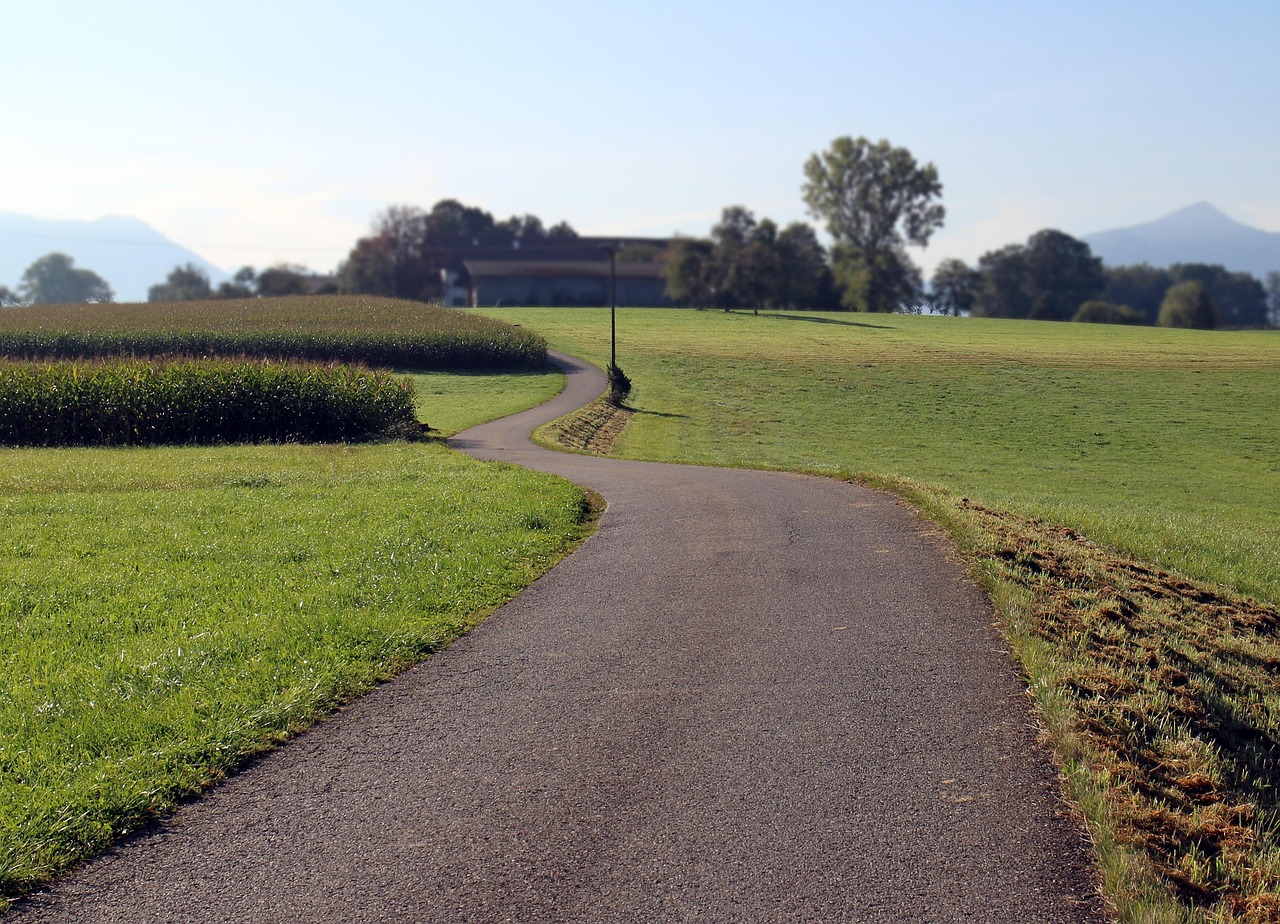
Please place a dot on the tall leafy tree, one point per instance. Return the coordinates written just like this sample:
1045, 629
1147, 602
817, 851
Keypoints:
283, 279
242, 285
1273, 297
687, 272
954, 285
8, 298
186, 283
1240, 298
1062, 274
1188, 304
525, 227
55, 279
875, 199
804, 279
1003, 289
1048, 278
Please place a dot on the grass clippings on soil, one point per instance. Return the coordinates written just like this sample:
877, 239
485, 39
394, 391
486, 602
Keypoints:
592, 429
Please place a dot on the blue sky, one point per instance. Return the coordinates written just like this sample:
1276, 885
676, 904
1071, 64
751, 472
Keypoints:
265, 131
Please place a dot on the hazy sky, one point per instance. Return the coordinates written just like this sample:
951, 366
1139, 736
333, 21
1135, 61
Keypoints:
255, 132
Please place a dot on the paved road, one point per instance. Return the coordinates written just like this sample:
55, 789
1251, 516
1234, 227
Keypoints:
750, 697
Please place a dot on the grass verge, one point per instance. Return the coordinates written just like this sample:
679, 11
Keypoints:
166, 612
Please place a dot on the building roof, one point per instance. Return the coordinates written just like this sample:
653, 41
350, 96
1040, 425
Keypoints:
594, 269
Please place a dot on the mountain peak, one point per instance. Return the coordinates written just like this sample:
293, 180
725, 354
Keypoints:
1200, 217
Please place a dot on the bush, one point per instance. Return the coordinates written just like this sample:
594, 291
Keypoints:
1188, 304
619, 385
1097, 312
136, 403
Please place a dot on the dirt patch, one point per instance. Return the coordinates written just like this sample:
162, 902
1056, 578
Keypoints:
589, 429
1176, 691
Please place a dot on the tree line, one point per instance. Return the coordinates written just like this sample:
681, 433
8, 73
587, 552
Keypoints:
403, 255
873, 200
1056, 277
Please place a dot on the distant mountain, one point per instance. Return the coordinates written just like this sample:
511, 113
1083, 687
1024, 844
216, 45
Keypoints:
129, 254
1197, 234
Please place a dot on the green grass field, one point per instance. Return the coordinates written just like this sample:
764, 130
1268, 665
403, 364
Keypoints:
1072, 464
450, 402
1162, 443
166, 612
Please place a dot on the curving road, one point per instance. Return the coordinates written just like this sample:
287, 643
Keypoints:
749, 697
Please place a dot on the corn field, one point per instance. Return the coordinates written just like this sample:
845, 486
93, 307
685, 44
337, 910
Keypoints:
128, 402
377, 332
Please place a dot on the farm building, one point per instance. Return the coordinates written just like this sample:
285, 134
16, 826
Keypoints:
562, 282
494, 268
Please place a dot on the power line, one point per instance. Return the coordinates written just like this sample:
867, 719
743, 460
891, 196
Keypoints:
164, 243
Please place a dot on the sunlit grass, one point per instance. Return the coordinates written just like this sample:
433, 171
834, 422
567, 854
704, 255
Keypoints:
452, 401
1163, 443
166, 612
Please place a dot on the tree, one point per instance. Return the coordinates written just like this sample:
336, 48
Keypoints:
187, 283
451, 217
369, 269
1240, 297
804, 279
1100, 312
1141, 285
283, 279
954, 286
407, 231
1048, 278
887, 279
737, 270
875, 199
641, 253
1003, 292
687, 272
1273, 297
54, 279
1187, 304
242, 285
9, 298
524, 227
561, 231
1063, 274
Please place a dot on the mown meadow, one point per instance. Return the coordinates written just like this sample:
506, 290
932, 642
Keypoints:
1115, 490
167, 611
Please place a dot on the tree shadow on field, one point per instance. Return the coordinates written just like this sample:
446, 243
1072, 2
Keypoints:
637, 410
796, 317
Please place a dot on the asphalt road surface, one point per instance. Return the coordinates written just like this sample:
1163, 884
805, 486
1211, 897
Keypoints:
749, 697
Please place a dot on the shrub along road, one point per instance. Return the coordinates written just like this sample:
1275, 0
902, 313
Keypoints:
748, 697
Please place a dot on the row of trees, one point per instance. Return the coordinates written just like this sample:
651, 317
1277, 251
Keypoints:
1056, 277
402, 257
191, 283
750, 263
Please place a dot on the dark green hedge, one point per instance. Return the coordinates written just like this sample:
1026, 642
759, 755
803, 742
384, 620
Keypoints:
136, 403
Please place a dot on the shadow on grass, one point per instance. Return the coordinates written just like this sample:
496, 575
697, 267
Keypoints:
797, 317
637, 410
482, 373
